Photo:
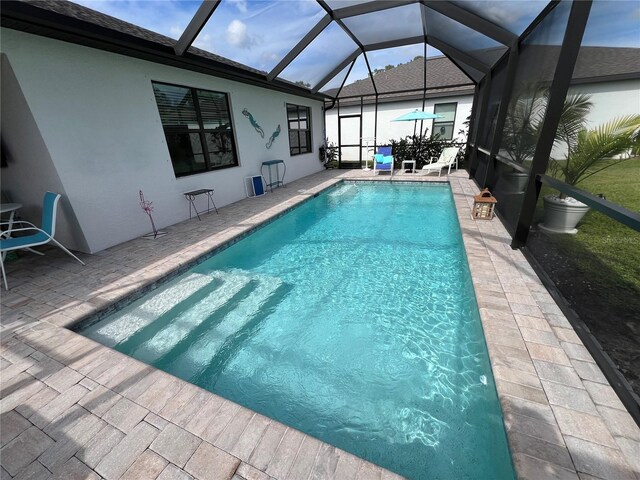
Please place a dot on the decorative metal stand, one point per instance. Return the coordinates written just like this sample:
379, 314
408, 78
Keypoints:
279, 181
147, 207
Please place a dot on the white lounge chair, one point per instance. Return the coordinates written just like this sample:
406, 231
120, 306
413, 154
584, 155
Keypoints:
447, 159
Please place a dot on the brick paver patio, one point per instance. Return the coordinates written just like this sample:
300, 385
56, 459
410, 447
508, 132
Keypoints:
72, 408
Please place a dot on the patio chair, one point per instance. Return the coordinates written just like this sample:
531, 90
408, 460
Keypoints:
39, 236
447, 159
383, 161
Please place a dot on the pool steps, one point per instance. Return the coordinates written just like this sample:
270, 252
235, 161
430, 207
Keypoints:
124, 326
179, 327
203, 311
347, 188
202, 352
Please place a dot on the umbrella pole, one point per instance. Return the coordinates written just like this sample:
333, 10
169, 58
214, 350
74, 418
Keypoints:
420, 147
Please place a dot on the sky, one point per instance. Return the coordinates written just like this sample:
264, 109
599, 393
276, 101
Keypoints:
259, 33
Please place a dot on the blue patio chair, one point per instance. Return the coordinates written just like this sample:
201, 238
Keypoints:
40, 236
383, 161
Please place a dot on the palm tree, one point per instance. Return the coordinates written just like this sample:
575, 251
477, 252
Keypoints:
587, 149
573, 118
524, 117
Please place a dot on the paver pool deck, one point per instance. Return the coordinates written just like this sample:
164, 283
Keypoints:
72, 408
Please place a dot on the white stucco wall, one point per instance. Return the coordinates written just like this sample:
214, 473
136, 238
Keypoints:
97, 117
610, 100
30, 170
388, 130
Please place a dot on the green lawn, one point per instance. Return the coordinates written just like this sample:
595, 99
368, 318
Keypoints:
613, 245
598, 269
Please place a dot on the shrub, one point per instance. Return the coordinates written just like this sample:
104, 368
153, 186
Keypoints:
422, 149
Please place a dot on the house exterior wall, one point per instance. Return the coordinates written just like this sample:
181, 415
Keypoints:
388, 130
97, 117
610, 99
35, 168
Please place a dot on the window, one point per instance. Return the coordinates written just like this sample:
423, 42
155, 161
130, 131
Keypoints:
444, 126
197, 126
299, 119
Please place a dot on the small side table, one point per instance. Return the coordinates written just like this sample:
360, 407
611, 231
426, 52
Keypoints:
191, 196
278, 181
405, 163
11, 209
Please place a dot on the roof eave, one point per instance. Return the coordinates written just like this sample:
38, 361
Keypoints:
402, 97
606, 78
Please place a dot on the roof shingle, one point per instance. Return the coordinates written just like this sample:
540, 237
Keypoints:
594, 64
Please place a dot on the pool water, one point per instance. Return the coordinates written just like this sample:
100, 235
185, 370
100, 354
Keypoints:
351, 318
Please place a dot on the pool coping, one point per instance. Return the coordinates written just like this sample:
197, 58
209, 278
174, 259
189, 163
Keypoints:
561, 416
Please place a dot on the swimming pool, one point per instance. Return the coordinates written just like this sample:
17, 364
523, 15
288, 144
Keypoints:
351, 318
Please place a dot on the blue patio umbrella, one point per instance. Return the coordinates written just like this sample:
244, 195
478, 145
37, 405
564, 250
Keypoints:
416, 115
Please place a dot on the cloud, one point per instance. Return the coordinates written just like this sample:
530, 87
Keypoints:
241, 5
504, 16
238, 36
205, 42
263, 11
270, 57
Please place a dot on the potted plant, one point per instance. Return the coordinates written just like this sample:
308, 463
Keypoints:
522, 124
328, 154
525, 115
588, 151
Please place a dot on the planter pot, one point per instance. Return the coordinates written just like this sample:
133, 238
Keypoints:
562, 216
509, 190
513, 182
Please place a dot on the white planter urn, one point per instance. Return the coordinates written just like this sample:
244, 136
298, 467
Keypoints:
562, 215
